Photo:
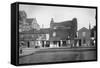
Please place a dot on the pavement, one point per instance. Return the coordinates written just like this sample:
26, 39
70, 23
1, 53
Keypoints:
29, 51
59, 55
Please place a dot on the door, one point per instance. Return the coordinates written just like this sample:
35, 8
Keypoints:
79, 42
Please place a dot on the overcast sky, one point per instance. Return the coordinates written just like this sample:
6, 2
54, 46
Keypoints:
43, 14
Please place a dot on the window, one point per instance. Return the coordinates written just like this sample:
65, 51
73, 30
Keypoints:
54, 34
55, 28
47, 36
84, 34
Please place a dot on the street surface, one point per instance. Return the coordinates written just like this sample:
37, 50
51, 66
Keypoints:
58, 55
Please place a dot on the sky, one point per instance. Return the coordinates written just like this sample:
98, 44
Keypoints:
43, 14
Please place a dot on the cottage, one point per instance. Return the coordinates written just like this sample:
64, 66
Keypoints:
84, 37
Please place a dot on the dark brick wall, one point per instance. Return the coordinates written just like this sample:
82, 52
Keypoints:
64, 29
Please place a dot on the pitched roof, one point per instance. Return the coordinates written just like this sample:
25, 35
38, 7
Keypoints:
29, 20
63, 23
66, 23
23, 14
34, 31
83, 28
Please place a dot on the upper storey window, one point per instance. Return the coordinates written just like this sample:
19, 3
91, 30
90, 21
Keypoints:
84, 34
54, 34
55, 28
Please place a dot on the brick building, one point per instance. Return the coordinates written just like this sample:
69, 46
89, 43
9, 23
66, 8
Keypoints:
84, 37
64, 31
27, 27
25, 23
34, 37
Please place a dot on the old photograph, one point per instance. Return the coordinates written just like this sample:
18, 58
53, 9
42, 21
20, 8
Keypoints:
56, 34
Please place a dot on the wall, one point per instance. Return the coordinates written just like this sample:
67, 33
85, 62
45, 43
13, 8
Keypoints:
84, 33
63, 30
84, 36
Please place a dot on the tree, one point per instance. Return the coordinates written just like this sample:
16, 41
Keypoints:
93, 31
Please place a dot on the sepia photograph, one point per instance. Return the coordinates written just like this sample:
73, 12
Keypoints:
56, 34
